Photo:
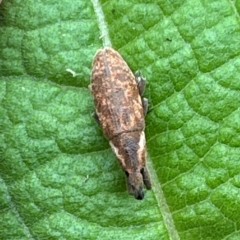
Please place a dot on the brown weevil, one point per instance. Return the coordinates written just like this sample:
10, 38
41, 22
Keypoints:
120, 111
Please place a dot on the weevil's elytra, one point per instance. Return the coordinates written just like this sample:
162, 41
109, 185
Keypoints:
120, 111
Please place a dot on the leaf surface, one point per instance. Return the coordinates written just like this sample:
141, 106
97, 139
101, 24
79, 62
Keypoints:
58, 176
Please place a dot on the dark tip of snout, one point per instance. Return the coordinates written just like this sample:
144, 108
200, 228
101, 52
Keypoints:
139, 195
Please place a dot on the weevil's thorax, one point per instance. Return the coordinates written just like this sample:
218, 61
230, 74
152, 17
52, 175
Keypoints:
130, 149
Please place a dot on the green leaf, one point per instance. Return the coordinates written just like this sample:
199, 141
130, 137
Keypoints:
58, 176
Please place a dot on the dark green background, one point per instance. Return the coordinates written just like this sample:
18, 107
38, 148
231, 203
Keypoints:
50, 144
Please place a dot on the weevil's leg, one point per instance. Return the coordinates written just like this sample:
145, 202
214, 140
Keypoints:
146, 178
96, 117
145, 105
141, 82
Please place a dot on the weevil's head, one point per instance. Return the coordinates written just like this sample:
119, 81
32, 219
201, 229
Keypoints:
135, 183
130, 148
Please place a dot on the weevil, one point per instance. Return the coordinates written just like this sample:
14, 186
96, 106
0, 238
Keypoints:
120, 111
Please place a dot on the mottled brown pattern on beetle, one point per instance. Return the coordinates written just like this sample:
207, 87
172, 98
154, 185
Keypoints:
120, 112
116, 95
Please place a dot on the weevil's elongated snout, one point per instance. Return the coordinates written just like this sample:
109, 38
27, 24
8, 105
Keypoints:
135, 183
139, 195
135, 187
